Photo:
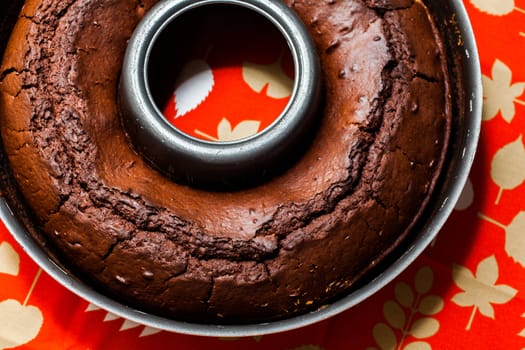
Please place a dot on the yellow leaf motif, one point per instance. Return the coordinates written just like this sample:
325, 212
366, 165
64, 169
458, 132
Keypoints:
20, 323
431, 305
424, 328
495, 7
480, 290
500, 94
384, 337
9, 260
271, 76
226, 133
514, 237
418, 345
394, 314
508, 166
406, 322
424, 280
125, 324
404, 294
522, 333
243, 130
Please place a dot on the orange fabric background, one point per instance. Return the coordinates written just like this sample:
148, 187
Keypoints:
466, 291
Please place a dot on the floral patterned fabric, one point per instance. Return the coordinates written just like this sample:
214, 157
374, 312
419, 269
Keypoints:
466, 290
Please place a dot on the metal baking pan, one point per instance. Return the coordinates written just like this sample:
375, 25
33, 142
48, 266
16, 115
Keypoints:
452, 20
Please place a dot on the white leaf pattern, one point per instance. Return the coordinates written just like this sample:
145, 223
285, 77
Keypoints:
193, 86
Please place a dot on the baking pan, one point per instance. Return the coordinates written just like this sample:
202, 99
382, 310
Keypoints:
463, 62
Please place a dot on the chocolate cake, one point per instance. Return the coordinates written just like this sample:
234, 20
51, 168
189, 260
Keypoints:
270, 251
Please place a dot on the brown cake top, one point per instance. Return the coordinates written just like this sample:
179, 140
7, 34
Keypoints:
366, 176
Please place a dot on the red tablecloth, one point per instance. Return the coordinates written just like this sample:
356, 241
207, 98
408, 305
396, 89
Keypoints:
466, 291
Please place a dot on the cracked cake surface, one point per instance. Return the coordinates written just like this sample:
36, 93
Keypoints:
286, 246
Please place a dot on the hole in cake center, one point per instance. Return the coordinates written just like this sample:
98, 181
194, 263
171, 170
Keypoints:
221, 73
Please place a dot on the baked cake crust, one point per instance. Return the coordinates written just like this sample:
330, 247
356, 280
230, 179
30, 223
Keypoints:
283, 247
